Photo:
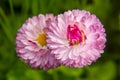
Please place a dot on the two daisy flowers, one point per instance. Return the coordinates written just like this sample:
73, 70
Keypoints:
75, 39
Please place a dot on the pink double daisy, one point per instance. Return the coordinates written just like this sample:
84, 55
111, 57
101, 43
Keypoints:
76, 38
31, 43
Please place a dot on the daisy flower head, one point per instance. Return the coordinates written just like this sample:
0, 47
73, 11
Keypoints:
77, 38
31, 45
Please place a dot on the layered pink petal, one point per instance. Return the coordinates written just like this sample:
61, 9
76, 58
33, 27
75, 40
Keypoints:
76, 38
27, 46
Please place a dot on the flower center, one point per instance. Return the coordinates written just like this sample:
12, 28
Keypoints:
75, 35
42, 39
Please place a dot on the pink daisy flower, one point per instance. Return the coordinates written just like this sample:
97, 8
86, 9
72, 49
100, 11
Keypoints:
31, 43
77, 38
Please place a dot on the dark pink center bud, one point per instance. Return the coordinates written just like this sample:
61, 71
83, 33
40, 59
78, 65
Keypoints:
75, 35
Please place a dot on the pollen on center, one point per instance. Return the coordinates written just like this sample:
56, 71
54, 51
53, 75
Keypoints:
42, 39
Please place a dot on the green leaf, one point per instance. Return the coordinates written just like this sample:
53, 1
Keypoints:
105, 71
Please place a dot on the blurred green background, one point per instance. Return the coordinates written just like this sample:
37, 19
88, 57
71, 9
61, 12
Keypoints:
13, 14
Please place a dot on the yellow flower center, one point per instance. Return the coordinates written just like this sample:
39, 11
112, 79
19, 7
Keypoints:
42, 39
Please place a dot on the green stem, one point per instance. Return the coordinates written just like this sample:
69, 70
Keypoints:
5, 25
11, 9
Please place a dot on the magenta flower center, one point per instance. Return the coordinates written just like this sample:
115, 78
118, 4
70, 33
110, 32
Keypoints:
75, 35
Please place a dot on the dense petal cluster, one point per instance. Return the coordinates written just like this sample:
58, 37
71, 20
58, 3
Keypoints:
75, 39
31, 43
